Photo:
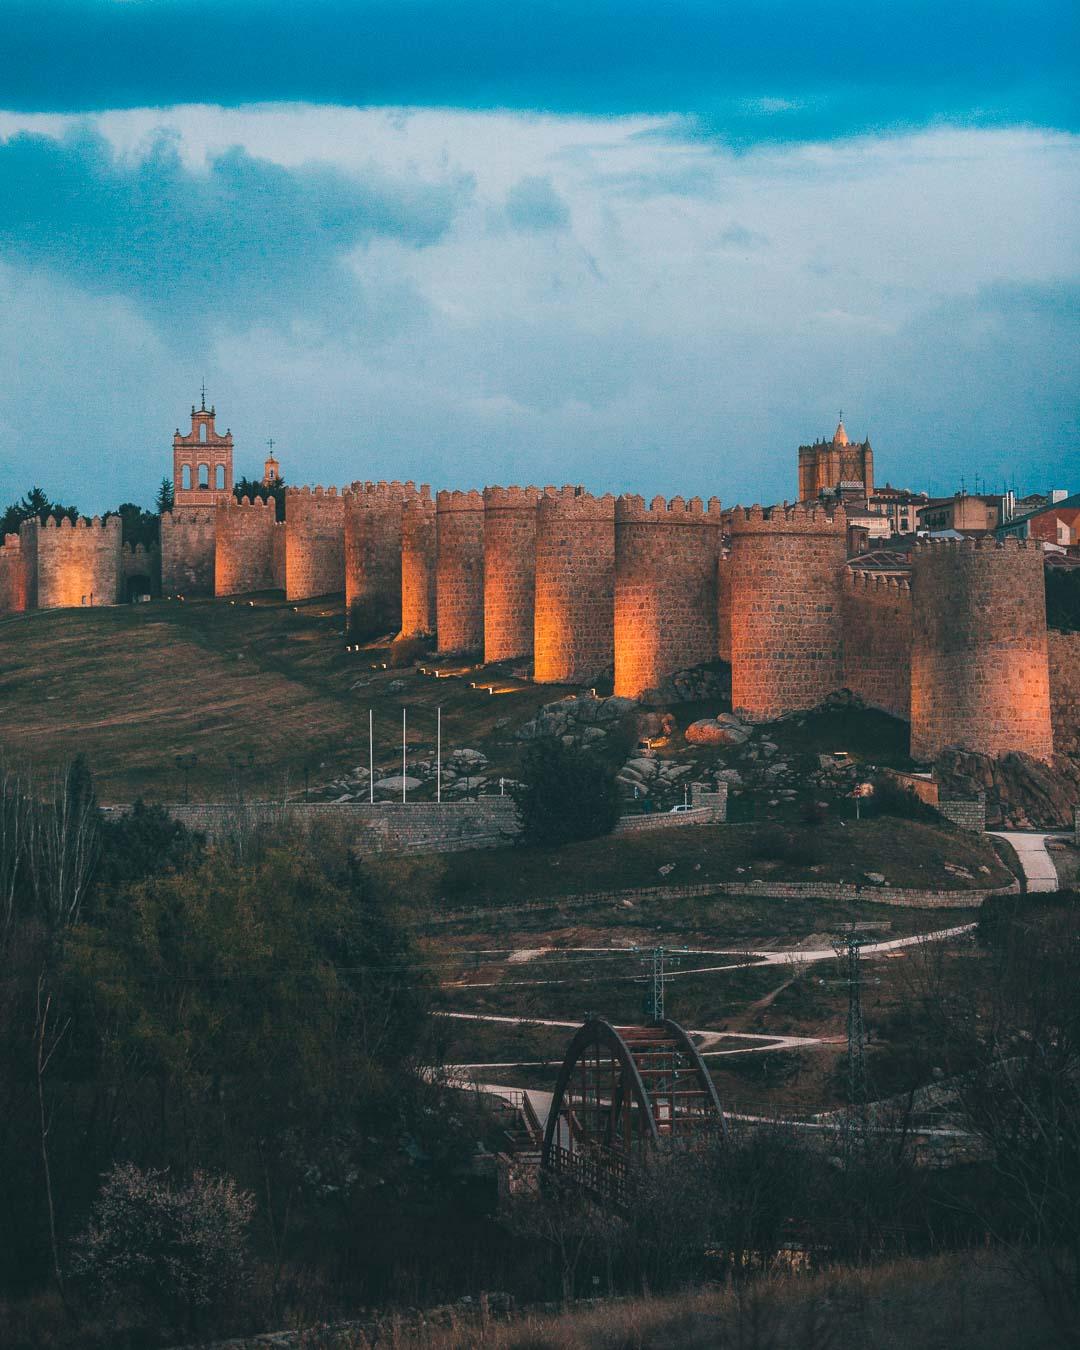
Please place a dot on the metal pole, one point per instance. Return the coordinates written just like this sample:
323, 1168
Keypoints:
371, 755
403, 754
438, 755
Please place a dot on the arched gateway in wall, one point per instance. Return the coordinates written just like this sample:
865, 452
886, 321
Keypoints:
623, 1092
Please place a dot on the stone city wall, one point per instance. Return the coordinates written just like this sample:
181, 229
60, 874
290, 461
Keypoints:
386, 827
459, 581
574, 632
666, 558
143, 565
787, 650
1064, 657
373, 514
244, 546
509, 571
723, 607
188, 548
314, 542
979, 668
12, 575
876, 616
70, 564
418, 563
402, 827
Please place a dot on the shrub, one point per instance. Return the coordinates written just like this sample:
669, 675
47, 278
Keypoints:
770, 842
175, 1252
406, 651
565, 793
893, 799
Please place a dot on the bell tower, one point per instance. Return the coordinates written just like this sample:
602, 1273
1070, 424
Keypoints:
202, 462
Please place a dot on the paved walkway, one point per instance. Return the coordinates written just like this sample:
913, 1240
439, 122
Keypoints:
1038, 866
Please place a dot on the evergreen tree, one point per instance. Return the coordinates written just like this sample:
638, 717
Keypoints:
165, 497
565, 793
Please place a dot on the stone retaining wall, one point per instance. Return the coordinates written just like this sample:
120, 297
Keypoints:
967, 815
765, 890
414, 827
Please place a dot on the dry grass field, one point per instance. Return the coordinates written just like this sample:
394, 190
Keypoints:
262, 692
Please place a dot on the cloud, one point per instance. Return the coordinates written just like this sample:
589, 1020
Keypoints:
751, 69
533, 204
347, 281
241, 240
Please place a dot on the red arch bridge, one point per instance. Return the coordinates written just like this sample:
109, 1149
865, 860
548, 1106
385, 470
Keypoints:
622, 1094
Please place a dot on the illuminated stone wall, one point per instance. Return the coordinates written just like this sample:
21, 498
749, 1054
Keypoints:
574, 630
373, 554
723, 606
666, 557
509, 571
188, 545
877, 640
72, 564
140, 564
459, 577
12, 575
245, 546
418, 558
787, 649
314, 542
979, 669
1064, 653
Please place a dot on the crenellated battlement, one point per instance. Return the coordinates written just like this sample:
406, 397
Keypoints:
249, 504
574, 503
189, 519
458, 500
309, 492
511, 498
382, 493
983, 543
112, 524
864, 579
786, 518
10, 543
418, 508
662, 511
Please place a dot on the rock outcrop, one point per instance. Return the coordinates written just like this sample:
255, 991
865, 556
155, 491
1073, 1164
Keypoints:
1021, 792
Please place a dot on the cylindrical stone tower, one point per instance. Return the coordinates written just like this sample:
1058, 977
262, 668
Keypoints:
786, 571
575, 586
723, 602
418, 567
665, 589
509, 571
459, 598
979, 670
314, 542
373, 554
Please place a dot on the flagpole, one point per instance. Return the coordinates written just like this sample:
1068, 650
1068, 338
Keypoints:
403, 754
438, 756
371, 755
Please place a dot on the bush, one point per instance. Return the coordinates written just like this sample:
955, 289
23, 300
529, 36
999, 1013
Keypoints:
406, 651
565, 793
893, 799
176, 1253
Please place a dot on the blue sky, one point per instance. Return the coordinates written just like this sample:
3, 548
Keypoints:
647, 247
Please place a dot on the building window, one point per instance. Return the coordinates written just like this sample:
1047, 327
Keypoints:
185, 477
202, 432
204, 475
